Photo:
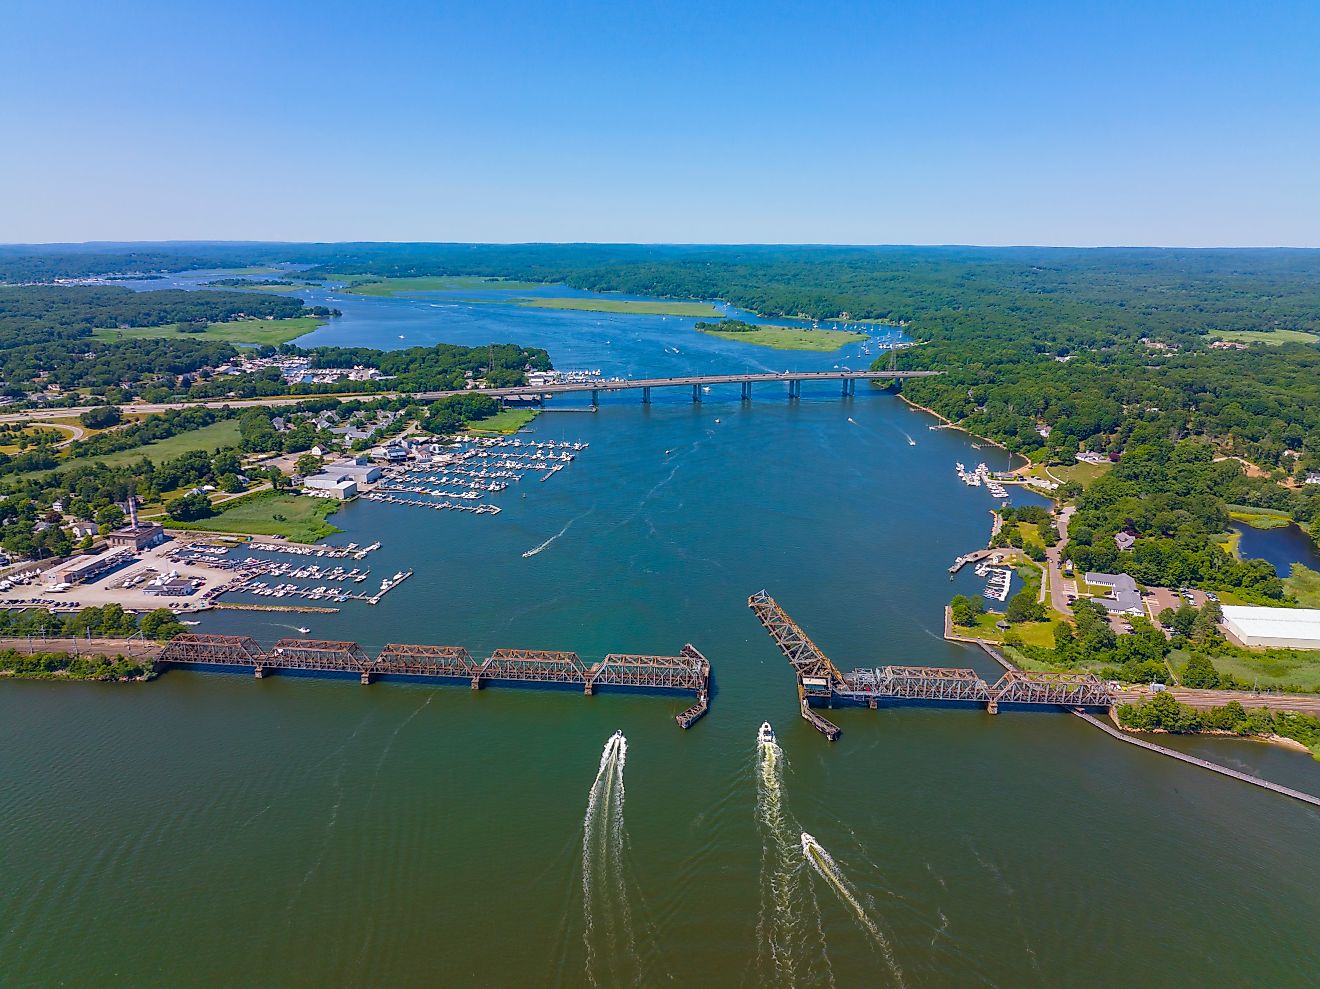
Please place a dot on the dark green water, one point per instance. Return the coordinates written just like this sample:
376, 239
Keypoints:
208, 829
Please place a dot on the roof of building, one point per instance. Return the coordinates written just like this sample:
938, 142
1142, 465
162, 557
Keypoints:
1124, 540
1124, 594
1273, 623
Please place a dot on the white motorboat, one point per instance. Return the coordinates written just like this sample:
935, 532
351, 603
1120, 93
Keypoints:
766, 736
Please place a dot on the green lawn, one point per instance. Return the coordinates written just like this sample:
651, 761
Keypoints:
1032, 633
792, 338
431, 283
636, 307
302, 520
257, 332
1271, 337
505, 422
1284, 669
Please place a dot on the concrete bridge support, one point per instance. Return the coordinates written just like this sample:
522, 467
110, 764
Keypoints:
646, 395
696, 394
746, 391
795, 388
849, 387
595, 398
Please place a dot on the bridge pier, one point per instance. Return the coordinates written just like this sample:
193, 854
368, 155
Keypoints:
258, 671
696, 394
746, 391
586, 688
646, 395
992, 706
476, 683
595, 398
366, 678
849, 387
795, 388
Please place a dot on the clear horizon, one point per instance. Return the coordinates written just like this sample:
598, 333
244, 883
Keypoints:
851, 124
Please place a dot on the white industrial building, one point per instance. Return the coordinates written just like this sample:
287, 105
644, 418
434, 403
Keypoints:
1282, 628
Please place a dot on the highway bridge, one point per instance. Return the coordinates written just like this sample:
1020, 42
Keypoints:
846, 379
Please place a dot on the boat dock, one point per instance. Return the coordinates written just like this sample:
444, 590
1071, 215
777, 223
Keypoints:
821, 682
689, 671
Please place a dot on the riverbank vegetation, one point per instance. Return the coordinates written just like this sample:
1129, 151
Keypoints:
428, 283
108, 621
1162, 712
67, 666
634, 307
255, 332
780, 337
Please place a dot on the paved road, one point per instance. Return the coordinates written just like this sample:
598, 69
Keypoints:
1054, 562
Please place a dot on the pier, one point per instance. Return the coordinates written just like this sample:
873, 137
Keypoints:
689, 671
821, 682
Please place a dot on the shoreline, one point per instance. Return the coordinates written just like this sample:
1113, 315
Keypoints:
949, 424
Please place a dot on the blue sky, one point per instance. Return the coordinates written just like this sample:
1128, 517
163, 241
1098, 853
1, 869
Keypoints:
916, 122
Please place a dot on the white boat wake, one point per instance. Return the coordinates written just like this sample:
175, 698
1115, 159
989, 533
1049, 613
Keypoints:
545, 545
829, 870
791, 948
611, 945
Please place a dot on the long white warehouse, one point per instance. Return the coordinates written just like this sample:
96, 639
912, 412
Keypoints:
1284, 628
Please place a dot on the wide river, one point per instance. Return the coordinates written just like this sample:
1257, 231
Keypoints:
207, 829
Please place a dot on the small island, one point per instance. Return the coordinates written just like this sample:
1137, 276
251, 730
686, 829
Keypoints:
780, 337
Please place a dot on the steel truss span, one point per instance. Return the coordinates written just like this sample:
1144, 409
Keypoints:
688, 672
820, 680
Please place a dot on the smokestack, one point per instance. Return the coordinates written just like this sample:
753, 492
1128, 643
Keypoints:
132, 510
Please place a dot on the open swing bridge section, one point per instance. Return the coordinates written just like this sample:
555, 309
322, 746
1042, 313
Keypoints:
819, 681
689, 671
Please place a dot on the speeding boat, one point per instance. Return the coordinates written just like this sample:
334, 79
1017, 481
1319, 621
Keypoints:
811, 847
303, 631
618, 733
766, 736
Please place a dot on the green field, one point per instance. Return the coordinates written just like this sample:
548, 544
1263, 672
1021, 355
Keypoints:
212, 437
1271, 337
1303, 584
635, 307
257, 332
1284, 669
302, 518
357, 285
792, 338
504, 422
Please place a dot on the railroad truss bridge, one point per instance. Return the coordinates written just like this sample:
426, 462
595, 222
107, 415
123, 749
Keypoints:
689, 671
821, 682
